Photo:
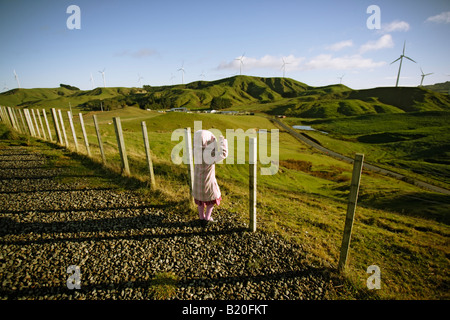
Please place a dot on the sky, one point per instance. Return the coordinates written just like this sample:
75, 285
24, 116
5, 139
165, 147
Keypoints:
137, 43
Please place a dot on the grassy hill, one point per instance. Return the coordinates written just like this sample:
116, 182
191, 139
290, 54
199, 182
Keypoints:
61, 97
443, 87
416, 144
269, 95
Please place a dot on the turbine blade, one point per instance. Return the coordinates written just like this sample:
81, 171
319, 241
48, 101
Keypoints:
410, 59
396, 60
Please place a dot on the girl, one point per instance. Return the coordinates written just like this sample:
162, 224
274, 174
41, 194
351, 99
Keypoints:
206, 191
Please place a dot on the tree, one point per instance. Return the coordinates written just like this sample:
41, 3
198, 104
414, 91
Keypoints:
68, 87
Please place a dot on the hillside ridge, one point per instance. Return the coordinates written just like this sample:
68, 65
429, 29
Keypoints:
269, 95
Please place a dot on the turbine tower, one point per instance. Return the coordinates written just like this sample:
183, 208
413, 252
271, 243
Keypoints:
283, 66
139, 79
241, 58
401, 60
340, 78
103, 76
423, 76
92, 81
182, 73
17, 78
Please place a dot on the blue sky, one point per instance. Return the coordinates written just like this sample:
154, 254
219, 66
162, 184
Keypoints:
319, 40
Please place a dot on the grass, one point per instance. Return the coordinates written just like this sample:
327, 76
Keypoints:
413, 144
163, 286
305, 202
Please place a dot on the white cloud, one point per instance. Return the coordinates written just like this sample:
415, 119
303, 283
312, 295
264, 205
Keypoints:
443, 17
340, 45
384, 42
395, 26
266, 62
327, 61
293, 63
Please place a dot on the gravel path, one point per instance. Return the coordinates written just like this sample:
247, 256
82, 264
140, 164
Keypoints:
121, 243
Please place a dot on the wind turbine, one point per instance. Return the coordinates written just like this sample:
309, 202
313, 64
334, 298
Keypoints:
103, 76
401, 60
283, 66
17, 78
423, 76
172, 77
202, 75
182, 73
5, 88
139, 79
241, 58
92, 81
340, 78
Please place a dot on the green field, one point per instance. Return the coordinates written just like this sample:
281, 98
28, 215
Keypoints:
416, 144
399, 227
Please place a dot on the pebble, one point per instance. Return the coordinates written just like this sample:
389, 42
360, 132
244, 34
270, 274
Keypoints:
121, 244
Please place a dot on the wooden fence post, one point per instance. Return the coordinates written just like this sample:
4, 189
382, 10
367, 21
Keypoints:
16, 119
11, 118
29, 122
252, 182
190, 161
26, 122
42, 126
48, 127
121, 145
63, 128
352, 200
74, 135
36, 124
55, 122
83, 130
99, 138
2, 115
22, 120
147, 153
5, 117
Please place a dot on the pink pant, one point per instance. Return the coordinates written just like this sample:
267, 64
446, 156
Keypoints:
205, 214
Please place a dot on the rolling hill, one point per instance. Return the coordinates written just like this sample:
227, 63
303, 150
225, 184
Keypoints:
443, 87
269, 95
